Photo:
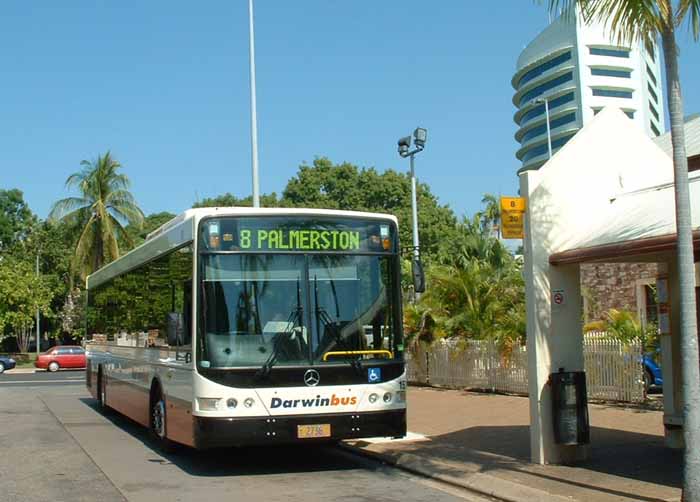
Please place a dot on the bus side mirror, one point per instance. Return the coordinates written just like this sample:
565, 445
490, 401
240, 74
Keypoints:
175, 328
418, 276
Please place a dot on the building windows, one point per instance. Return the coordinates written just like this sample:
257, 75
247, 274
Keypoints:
542, 149
553, 124
542, 88
652, 77
612, 93
653, 94
615, 53
553, 103
539, 70
654, 129
629, 113
653, 111
607, 72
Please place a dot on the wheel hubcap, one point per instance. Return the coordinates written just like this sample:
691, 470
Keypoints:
158, 423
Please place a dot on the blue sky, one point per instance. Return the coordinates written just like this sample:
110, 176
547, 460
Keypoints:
164, 86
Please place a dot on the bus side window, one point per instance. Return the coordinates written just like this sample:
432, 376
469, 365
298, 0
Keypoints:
187, 312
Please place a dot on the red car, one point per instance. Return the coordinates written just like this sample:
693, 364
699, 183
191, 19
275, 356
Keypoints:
62, 356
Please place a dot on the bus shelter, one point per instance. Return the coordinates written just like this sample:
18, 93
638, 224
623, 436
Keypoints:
607, 196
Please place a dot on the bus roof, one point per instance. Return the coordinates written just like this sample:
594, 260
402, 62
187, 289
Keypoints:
181, 229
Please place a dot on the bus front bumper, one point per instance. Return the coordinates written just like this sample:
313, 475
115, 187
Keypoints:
227, 432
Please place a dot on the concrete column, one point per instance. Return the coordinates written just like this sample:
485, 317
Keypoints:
554, 330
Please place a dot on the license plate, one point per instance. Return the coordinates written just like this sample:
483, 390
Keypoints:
313, 431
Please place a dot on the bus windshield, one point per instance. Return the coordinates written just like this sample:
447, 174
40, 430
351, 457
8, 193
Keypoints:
265, 309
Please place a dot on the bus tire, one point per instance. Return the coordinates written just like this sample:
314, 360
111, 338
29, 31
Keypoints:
159, 419
102, 390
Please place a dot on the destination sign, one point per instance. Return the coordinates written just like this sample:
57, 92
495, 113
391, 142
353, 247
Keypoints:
299, 239
298, 233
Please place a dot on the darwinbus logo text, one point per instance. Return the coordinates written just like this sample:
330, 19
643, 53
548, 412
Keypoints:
317, 401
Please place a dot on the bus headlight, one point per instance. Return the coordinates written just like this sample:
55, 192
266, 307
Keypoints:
232, 403
373, 397
208, 403
387, 397
401, 396
249, 402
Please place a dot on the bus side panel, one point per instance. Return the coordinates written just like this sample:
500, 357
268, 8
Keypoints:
180, 424
176, 379
128, 399
128, 383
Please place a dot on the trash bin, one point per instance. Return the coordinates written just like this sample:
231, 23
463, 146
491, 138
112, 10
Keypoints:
569, 407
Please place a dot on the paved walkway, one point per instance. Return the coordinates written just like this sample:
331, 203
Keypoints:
481, 441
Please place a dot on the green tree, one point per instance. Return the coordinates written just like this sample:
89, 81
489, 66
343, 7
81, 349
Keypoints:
471, 240
138, 233
476, 301
345, 186
101, 212
22, 293
230, 200
16, 219
491, 215
647, 20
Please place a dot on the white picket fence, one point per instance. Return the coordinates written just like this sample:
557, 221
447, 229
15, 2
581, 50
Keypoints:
613, 370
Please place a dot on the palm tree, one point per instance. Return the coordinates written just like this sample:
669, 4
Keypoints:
491, 215
100, 214
647, 20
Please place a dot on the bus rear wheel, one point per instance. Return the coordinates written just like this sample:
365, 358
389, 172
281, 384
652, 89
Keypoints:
102, 390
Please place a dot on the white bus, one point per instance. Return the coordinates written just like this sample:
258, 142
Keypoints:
242, 326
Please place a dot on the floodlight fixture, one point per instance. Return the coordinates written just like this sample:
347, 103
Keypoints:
420, 136
404, 146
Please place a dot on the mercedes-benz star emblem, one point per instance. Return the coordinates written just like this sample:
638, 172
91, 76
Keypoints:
311, 378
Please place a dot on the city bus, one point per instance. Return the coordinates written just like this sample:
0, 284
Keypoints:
250, 326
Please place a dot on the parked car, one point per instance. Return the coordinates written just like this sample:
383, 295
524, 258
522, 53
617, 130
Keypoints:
6, 363
62, 356
652, 372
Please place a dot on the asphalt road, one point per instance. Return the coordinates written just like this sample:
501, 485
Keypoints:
57, 446
43, 378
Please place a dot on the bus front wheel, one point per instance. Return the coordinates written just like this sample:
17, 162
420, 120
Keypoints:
159, 420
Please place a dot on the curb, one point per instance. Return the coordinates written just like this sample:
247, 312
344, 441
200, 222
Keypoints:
18, 371
476, 482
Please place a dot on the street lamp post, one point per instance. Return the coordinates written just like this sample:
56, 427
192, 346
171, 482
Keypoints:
253, 109
38, 343
420, 136
546, 112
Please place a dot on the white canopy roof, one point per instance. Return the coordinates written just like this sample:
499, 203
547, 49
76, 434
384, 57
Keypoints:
609, 184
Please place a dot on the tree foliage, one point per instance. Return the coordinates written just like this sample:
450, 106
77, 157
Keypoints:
345, 186
15, 218
230, 200
138, 233
22, 293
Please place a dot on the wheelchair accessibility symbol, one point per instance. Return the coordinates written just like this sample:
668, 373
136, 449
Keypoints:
374, 375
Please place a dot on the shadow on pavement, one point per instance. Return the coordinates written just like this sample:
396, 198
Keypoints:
613, 453
246, 461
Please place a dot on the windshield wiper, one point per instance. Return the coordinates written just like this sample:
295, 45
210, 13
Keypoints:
296, 318
323, 317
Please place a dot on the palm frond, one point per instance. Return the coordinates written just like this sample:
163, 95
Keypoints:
691, 10
66, 206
